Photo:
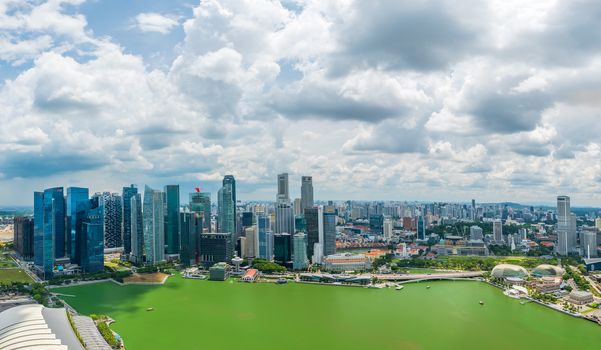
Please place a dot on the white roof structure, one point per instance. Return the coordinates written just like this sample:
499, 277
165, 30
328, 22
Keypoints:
35, 327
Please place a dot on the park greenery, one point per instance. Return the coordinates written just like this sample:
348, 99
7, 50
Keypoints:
469, 263
104, 329
267, 266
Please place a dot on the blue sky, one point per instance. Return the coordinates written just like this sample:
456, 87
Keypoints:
424, 100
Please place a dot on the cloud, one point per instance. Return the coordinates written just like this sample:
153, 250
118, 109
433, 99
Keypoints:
155, 23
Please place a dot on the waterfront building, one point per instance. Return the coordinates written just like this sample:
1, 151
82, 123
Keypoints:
111, 206
306, 193
329, 231
215, 247
546, 270
200, 202
299, 255
49, 229
172, 218
91, 244
387, 229
265, 237
126, 196
312, 228
251, 246
250, 275
589, 244
226, 204
219, 272
282, 243
509, 271
23, 236
191, 229
136, 229
346, 262
476, 233
154, 226
77, 198
497, 231
581, 297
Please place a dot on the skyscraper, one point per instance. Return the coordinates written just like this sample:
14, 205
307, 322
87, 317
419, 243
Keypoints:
154, 226
306, 193
172, 219
421, 227
565, 239
265, 237
200, 202
284, 217
111, 206
252, 243
283, 188
216, 247
127, 195
77, 199
226, 203
329, 231
476, 233
191, 229
281, 247
23, 236
49, 229
38, 229
497, 231
387, 229
299, 256
312, 228
92, 240
589, 244
137, 229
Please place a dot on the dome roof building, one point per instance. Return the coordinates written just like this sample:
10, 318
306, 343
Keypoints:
546, 270
507, 270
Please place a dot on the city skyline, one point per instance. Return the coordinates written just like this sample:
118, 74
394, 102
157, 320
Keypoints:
428, 100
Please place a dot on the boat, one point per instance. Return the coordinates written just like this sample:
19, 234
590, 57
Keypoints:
150, 309
427, 287
481, 302
281, 281
399, 287
522, 303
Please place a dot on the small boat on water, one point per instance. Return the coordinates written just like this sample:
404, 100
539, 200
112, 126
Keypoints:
150, 309
399, 288
427, 287
522, 303
281, 281
481, 302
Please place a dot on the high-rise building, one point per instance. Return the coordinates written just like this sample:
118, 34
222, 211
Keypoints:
329, 232
226, 203
216, 247
306, 193
92, 240
299, 223
154, 226
247, 219
387, 229
111, 206
299, 256
566, 230
265, 237
251, 247
297, 207
137, 229
421, 227
49, 229
172, 218
284, 217
497, 231
77, 200
281, 247
589, 243
23, 236
191, 229
598, 223
200, 202
312, 228
127, 194
476, 233
283, 188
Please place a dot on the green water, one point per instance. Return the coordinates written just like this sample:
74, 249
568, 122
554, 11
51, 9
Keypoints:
193, 314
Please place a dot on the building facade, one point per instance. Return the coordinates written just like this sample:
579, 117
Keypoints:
154, 226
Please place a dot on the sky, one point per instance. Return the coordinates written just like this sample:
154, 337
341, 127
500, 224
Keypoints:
495, 100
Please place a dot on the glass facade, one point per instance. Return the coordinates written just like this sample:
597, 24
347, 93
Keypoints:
77, 201
92, 255
282, 243
128, 193
200, 202
329, 233
312, 228
154, 227
38, 228
136, 227
265, 237
172, 230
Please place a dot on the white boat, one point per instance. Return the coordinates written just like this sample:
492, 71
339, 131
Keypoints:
399, 288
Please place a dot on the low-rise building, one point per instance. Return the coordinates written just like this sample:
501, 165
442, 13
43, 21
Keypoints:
580, 297
547, 284
219, 272
346, 262
250, 275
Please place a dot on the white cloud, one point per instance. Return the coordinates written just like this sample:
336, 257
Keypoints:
155, 23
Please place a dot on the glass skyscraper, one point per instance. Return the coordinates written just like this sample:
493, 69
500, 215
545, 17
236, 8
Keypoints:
154, 226
265, 237
172, 217
200, 202
312, 228
299, 255
127, 195
77, 201
227, 209
49, 229
137, 231
111, 204
92, 252
329, 232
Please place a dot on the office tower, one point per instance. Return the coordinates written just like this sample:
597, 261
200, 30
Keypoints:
191, 229
299, 256
284, 218
38, 230
376, 223
247, 219
421, 228
312, 228
226, 203
49, 229
497, 231
476, 233
589, 244
251, 247
473, 210
297, 207
300, 223
598, 223
76, 198
23, 236
387, 229
329, 232
154, 226
265, 237
408, 223
92, 239
283, 188
564, 225
127, 195
281, 247
200, 202
216, 247
317, 253
172, 218
573, 233
306, 193
137, 230
111, 205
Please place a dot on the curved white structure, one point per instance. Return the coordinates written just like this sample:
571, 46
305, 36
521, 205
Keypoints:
35, 327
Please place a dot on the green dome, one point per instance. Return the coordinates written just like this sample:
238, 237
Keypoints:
507, 270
